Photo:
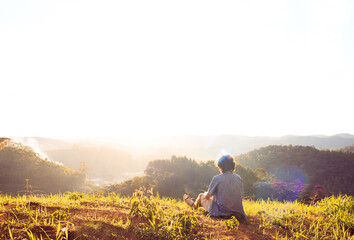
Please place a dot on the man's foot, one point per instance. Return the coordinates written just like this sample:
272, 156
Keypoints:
188, 200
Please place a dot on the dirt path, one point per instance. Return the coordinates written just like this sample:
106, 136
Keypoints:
93, 223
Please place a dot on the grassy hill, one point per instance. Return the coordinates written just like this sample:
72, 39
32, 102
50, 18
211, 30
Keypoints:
80, 216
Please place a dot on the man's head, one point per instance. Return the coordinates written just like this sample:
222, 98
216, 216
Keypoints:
225, 163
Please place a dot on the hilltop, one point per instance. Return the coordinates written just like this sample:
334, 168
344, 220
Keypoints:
80, 216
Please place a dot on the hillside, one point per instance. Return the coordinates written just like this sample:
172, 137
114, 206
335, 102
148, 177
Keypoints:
18, 163
332, 169
80, 216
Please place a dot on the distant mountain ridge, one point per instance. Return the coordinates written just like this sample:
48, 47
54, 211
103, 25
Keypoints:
115, 161
202, 147
208, 147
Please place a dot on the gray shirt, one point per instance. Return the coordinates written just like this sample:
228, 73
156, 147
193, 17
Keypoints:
226, 189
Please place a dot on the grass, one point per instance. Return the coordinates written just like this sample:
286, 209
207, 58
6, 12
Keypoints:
144, 216
332, 218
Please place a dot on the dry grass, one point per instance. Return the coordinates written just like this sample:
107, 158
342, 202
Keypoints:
82, 216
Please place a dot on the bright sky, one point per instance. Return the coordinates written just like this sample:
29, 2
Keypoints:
72, 69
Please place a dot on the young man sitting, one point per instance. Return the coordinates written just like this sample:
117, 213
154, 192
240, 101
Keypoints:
224, 196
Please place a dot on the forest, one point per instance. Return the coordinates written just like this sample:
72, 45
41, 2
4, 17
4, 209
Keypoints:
333, 169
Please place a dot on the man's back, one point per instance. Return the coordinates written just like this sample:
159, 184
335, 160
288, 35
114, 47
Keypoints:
227, 190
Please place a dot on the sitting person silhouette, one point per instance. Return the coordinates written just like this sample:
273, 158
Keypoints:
224, 196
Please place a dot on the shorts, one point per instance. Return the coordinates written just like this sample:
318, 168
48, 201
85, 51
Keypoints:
206, 203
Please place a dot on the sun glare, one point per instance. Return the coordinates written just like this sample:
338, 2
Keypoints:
147, 69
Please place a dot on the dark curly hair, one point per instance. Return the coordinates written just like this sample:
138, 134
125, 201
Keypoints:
225, 163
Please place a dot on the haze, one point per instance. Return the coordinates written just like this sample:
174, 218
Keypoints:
138, 69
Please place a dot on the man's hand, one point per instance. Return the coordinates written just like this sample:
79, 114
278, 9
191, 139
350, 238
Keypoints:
207, 196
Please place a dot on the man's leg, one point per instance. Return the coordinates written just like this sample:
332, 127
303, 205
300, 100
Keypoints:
189, 201
198, 202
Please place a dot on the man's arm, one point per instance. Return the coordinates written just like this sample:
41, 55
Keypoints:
207, 196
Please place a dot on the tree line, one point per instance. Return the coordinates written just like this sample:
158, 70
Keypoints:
178, 175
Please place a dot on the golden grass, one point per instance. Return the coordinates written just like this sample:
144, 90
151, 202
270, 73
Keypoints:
94, 216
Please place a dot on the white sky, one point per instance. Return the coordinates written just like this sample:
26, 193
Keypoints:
71, 69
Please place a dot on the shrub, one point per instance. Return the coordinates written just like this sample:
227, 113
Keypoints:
289, 191
284, 191
311, 195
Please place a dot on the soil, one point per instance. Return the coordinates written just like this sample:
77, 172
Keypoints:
86, 223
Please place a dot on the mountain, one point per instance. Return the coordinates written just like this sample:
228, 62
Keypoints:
204, 147
208, 147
